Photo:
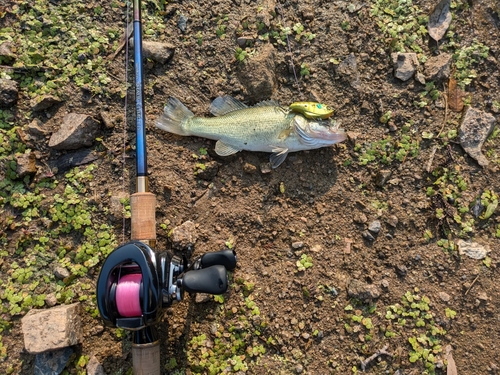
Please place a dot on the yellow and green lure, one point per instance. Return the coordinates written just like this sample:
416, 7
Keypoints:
312, 110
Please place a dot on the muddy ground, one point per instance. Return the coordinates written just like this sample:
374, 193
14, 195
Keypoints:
318, 203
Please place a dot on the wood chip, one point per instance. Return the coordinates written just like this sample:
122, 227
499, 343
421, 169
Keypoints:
451, 369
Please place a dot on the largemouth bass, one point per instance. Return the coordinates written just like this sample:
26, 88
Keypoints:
266, 127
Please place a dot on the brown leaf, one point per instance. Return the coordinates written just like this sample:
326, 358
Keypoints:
439, 20
455, 96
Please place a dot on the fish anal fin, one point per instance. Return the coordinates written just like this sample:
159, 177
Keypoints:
223, 149
225, 104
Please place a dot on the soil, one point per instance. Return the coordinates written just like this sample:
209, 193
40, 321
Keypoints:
318, 203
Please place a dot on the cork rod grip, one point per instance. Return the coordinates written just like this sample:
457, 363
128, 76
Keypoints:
146, 359
143, 219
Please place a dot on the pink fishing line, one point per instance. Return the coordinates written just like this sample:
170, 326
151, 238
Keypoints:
128, 300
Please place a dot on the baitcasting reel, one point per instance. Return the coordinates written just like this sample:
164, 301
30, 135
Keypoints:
135, 284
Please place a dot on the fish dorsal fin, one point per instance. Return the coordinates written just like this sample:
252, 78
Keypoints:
225, 104
223, 149
268, 103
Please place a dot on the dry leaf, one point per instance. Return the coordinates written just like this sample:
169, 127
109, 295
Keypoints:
455, 96
439, 20
451, 368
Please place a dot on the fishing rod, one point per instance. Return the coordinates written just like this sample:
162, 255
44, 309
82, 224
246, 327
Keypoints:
136, 283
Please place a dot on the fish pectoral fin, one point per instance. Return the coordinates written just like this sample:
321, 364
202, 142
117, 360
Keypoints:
225, 104
284, 134
223, 149
278, 156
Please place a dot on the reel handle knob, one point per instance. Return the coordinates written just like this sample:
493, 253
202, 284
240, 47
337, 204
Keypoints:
211, 280
226, 258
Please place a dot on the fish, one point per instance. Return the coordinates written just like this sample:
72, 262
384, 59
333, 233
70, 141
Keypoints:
265, 127
312, 110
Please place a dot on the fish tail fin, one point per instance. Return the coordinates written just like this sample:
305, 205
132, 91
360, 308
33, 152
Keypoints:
174, 116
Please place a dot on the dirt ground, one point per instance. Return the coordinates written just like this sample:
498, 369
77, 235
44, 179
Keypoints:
318, 203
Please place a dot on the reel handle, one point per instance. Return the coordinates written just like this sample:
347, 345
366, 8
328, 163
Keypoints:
211, 280
226, 258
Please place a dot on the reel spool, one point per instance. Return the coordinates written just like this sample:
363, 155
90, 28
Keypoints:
128, 288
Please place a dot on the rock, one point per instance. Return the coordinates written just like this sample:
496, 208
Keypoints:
472, 249
94, 367
445, 297
35, 128
299, 369
419, 77
368, 236
384, 283
482, 296
374, 226
392, 221
96, 330
44, 102
116, 207
265, 168
297, 245
258, 75
249, 168
244, 41
360, 218
405, 65
182, 23
360, 290
208, 171
475, 129
107, 120
401, 270
184, 236
51, 300
8, 93
156, 51
437, 68
267, 12
61, 273
382, 177
73, 159
6, 53
51, 329
202, 298
76, 131
26, 164
348, 69
52, 362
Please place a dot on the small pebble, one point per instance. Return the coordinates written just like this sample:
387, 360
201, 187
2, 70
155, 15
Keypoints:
61, 273
374, 226
297, 245
368, 236
392, 221
299, 369
182, 24
401, 270
445, 297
